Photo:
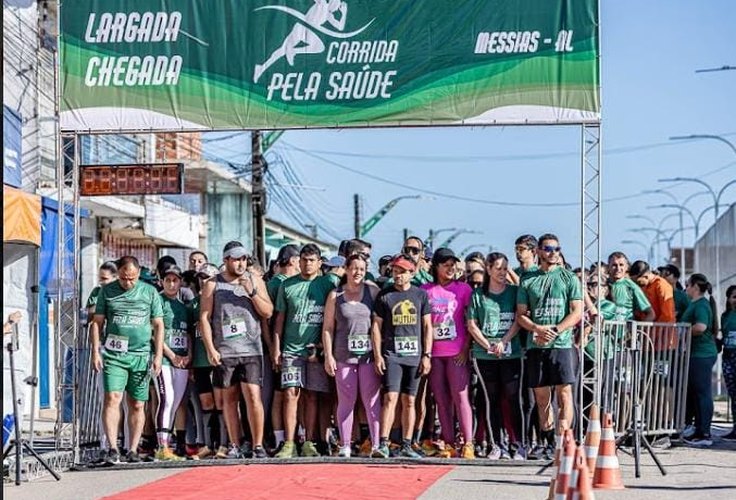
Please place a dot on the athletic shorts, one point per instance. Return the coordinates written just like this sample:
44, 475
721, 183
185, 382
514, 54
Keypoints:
205, 378
500, 371
550, 367
244, 370
128, 373
296, 371
403, 379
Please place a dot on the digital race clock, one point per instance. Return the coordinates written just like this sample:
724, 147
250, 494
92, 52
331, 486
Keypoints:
139, 179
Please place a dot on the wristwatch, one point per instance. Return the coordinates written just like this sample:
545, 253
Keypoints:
427, 355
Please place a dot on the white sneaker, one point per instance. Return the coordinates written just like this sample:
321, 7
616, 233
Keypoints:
344, 452
495, 453
505, 455
688, 432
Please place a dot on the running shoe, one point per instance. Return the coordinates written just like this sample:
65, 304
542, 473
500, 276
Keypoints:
259, 452
518, 451
309, 449
112, 457
549, 452
700, 441
132, 457
688, 432
480, 450
494, 453
234, 453
429, 448
288, 450
344, 452
366, 449
505, 455
536, 453
165, 454
204, 452
408, 452
447, 451
731, 436
468, 451
380, 452
394, 450
221, 452
418, 448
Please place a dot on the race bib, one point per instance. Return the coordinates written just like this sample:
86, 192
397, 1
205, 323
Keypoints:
445, 331
116, 343
359, 343
730, 341
233, 328
406, 346
179, 341
291, 376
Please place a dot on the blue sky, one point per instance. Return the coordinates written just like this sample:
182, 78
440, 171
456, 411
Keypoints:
650, 91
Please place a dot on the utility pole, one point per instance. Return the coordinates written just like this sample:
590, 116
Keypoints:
406, 234
430, 239
258, 197
356, 214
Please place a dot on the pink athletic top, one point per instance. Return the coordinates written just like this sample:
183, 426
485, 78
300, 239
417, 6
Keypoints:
448, 305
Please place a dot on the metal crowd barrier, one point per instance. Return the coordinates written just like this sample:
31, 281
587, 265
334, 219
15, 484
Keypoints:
89, 400
663, 353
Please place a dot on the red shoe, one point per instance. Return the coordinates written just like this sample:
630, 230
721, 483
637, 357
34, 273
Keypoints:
191, 450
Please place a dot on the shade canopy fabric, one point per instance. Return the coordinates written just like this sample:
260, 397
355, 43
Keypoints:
21, 217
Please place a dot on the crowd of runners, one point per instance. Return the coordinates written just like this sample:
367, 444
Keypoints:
431, 356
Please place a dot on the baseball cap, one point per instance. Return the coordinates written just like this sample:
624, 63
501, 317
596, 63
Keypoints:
336, 261
207, 271
147, 276
403, 262
386, 259
442, 255
175, 270
286, 252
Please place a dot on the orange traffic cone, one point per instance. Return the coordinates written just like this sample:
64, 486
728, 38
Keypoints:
561, 428
566, 462
593, 438
580, 487
607, 471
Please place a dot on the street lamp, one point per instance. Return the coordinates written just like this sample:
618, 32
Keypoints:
642, 217
704, 136
433, 233
659, 233
725, 67
647, 248
470, 247
363, 229
457, 233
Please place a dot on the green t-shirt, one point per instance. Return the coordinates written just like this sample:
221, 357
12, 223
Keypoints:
681, 303
548, 296
199, 352
628, 297
607, 312
495, 315
703, 345
177, 326
728, 329
334, 279
521, 272
273, 286
93, 295
303, 303
128, 315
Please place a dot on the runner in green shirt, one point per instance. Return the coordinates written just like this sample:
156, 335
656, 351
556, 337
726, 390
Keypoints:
300, 306
525, 248
128, 308
701, 314
626, 294
550, 305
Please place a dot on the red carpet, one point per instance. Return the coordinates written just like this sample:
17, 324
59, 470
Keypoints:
273, 482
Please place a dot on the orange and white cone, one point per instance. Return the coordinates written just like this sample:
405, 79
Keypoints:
607, 470
566, 463
580, 487
562, 427
593, 438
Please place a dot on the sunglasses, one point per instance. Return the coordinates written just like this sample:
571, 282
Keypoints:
412, 250
550, 249
522, 248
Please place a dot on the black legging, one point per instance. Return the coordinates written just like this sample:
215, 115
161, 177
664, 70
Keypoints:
502, 380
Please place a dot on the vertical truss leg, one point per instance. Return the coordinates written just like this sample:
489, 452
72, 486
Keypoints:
590, 246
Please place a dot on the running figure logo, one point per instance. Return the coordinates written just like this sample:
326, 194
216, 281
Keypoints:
302, 39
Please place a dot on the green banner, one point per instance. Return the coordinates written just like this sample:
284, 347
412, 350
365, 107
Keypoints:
274, 64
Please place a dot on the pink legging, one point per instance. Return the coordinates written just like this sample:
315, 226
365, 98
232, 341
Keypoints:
449, 384
350, 379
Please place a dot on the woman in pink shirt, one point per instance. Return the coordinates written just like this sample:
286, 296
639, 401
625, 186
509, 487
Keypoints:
450, 375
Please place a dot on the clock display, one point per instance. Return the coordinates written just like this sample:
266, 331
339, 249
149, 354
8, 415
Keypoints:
140, 179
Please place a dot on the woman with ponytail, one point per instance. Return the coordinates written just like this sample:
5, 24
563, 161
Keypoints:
701, 314
728, 331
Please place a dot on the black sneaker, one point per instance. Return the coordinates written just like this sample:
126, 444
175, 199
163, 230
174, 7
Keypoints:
132, 457
548, 453
245, 450
259, 452
112, 457
537, 453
